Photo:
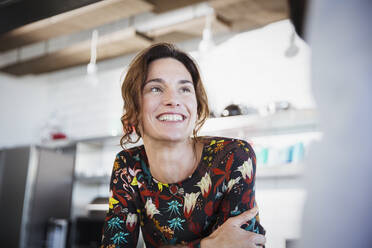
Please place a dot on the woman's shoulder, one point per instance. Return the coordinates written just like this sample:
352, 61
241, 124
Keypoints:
131, 151
128, 156
226, 144
219, 150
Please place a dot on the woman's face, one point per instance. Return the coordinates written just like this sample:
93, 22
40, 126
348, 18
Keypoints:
169, 106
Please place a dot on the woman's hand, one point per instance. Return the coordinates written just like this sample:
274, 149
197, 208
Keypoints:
230, 233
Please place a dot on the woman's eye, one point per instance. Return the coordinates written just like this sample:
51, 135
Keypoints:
185, 89
155, 89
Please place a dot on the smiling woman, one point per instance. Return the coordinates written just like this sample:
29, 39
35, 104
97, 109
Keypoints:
136, 79
181, 189
168, 102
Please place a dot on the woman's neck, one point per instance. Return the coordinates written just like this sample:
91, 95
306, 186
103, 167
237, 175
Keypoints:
172, 162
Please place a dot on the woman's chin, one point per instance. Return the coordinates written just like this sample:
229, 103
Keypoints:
175, 138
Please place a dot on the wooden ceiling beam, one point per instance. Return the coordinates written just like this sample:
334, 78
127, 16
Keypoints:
87, 17
108, 46
250, 14
189, 29
161, 6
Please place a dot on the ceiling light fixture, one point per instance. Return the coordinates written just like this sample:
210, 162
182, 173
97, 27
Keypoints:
92, 66
293, 49
207, 43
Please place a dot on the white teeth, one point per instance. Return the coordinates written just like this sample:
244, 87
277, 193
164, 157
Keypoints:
170, 117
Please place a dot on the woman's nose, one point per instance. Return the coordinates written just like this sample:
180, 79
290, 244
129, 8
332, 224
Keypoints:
171, 98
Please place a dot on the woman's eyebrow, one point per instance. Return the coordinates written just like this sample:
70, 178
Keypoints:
185, 81
159, 80
156, 80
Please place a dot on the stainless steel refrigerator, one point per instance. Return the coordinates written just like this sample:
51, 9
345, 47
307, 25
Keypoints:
35, 189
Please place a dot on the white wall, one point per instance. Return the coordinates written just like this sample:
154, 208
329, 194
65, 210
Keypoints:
251, 68
281, 209
23, 107
87, 106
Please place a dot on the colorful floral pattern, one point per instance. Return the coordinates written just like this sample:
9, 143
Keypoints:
181, 213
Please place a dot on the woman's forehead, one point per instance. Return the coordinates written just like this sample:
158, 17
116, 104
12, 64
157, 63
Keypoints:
167, 66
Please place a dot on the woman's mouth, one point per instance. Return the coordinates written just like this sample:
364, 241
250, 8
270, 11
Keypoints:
171, 117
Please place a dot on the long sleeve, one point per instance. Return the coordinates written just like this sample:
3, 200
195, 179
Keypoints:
121, 227
239, 187
236, 183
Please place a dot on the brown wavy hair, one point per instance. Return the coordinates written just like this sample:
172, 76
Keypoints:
134, 82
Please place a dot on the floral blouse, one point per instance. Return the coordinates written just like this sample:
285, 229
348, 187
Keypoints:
180, 213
